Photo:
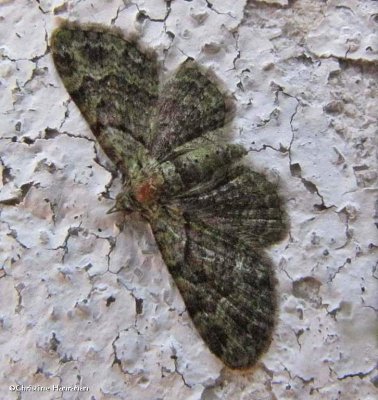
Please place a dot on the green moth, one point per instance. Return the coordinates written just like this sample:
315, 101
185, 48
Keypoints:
211, 215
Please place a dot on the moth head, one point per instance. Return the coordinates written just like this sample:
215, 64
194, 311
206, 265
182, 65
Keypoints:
123, 203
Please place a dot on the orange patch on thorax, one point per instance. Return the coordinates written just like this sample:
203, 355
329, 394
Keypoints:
145, 192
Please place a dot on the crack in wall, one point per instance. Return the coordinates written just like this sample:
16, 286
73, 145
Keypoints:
210, 5
177, 371
295, 168
20, 196
72, 231
333, 275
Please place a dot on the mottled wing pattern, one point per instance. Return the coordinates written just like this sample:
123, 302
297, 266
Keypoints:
189, 106
220, 192
112, 82
244, 204
228, 289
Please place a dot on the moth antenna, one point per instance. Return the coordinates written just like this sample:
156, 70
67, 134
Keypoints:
113, 209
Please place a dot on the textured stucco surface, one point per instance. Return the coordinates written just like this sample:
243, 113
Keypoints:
85, 297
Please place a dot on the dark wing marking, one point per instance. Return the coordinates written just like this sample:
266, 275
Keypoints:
220, 192
198, 169
227, 288
189, 106
112, 82
242, 205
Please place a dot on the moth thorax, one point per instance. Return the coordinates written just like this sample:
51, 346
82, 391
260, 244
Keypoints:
146, 191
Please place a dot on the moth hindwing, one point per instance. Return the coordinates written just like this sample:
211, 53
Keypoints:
211, 215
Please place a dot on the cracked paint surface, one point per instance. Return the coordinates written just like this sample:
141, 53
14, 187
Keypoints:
72, 279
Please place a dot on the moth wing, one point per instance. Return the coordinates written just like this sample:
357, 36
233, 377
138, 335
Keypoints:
113, 83
228, 289
242, 204
189, 105
218, 190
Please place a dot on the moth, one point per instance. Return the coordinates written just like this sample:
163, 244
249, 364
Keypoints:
211, 215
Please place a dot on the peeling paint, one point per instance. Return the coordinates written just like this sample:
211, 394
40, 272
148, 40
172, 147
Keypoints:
72, 278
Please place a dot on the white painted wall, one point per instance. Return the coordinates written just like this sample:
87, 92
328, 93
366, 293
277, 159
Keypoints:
304, 77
